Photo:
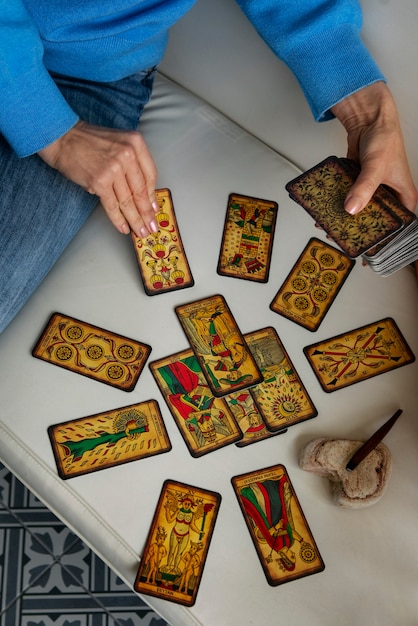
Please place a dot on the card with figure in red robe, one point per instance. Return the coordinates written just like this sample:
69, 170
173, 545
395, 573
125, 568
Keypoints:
279, 530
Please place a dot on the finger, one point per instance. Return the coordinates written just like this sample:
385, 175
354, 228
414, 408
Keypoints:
127, 208
141, 199
114, 213
363, 189
147, 174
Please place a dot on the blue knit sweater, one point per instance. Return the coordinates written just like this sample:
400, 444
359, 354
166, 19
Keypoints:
106, 40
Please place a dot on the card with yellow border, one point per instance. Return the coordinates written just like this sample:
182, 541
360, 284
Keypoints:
219, 345
161, 256
96, 442
312, 284
91, 351
177, 545
279, 530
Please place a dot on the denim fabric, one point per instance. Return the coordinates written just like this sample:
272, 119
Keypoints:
40, 210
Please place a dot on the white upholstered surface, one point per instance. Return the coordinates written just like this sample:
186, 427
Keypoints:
370, 555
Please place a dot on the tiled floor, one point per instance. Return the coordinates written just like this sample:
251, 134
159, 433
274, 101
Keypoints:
48, 577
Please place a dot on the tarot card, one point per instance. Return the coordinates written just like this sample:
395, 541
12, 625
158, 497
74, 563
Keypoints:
312, 284
92, 351
161, 257
359, 354
205, 422
277, 525
247, 238
177, 545
281, 398
249, 418
219, 345
408, 218
103, 440
321, 191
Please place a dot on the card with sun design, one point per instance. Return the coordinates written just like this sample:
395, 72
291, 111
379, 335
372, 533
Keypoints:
312, 284
278, 527
247, 238
249, 418
281, 398
161, 256
321, 191
92, 351
358, 354
93, 443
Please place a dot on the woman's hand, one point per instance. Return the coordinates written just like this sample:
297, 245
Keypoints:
375, 141
116, 166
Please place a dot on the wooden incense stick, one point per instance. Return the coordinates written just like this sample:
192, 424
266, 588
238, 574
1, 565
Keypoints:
372, 442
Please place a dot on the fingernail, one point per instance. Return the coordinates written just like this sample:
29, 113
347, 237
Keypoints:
155, 206
352, 206
143, 232
153, 226
125, 229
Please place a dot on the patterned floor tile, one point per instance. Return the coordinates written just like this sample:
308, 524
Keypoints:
49, 577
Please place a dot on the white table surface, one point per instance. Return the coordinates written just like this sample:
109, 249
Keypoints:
370, 555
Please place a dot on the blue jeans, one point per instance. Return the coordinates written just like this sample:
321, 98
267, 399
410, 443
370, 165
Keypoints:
40, 210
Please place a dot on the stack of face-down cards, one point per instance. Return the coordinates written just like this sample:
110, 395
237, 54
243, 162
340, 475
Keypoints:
384, 233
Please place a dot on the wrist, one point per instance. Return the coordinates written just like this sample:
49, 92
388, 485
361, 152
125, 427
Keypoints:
371, 105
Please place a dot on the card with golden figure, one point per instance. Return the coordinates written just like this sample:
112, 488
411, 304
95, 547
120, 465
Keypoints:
358, 354
205, 422
312, 284
281, 398
321, 191
247, 238
95, 442
279, 530
177, 545
219, 345
92, 351
161, 257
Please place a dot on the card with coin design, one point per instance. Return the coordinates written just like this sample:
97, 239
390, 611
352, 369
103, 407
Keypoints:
89, 350
312, 284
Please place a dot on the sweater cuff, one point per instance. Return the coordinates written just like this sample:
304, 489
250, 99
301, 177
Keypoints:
34, 113
331, 67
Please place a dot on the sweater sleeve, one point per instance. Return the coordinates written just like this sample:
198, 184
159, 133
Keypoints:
319, 40
33, 112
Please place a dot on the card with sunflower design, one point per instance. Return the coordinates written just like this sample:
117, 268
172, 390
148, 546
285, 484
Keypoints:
281, 398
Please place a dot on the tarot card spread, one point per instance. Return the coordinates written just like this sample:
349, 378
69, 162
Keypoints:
205, 422
177, 545
219, 346
92, 351
321, 191
277, 525
99, 441
161, 257
282, 398
247, 238
312, 285
357, 355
